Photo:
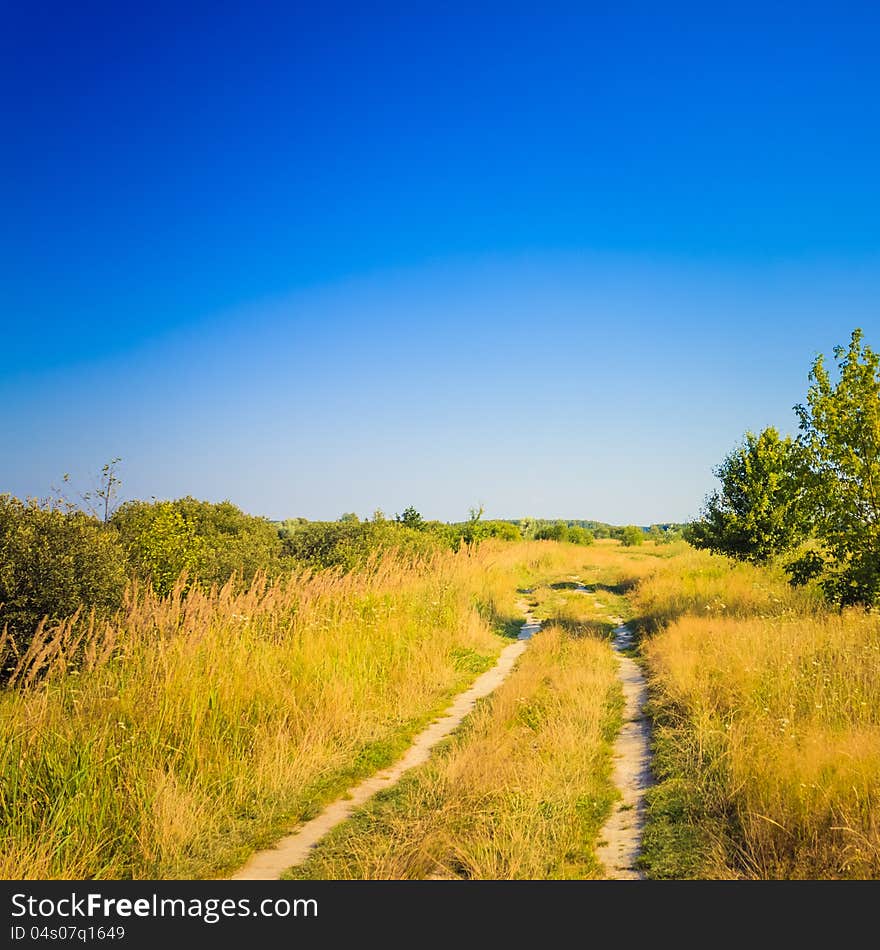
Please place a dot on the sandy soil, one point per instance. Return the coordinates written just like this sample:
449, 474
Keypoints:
621, 836
293, 850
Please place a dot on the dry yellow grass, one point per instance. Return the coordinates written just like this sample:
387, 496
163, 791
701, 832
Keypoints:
707, 585
171, 741
519, 793
769, 727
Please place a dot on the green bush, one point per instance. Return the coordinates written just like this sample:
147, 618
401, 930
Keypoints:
476, 530
632, 535
348, 545
577, 535
161, 544
54, 559
211, 542
557, 531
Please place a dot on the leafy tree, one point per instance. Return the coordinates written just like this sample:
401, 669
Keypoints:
410, 518
349, 516
840, 432
760, 510
631, 535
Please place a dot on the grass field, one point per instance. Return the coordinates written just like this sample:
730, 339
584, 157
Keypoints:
767, 738
523, 789
519, 793
192, 729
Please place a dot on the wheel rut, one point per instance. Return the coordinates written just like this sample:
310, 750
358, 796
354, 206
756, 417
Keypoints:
293, 850
620, 838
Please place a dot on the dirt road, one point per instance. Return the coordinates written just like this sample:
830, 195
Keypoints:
620, 838
293, 850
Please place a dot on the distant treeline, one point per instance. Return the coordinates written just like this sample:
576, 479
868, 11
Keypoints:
584, 532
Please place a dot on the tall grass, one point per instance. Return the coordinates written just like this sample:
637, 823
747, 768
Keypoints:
519, 793
768, 727
708, 585
172, 740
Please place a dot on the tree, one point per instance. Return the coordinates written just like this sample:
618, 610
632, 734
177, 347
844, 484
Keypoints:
527, 528
474, 514
760, 510
840, 433
410, 518
105, 493
631, 535
349, 516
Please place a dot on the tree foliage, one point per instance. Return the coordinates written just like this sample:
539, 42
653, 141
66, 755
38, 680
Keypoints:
410, 518
840, 432
553, 531
632, 535
579, 535
819, 494
210, 541
759, 511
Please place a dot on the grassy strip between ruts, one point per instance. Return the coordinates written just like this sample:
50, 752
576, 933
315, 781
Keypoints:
519, 792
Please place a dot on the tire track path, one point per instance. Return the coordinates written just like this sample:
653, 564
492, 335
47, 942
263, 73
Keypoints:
292, 850
620, 838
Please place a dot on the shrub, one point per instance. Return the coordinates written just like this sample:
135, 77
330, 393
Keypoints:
631, 535
210, 541
161, 544
54, 559
474, 531
557, 531
577, 535
349, 545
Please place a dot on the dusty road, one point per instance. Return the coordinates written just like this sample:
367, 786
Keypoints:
293, 850
620, 838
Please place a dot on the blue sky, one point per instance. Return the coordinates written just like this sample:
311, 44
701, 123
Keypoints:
319, 260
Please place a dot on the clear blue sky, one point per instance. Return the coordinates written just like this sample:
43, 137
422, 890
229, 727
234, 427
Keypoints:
316, 258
